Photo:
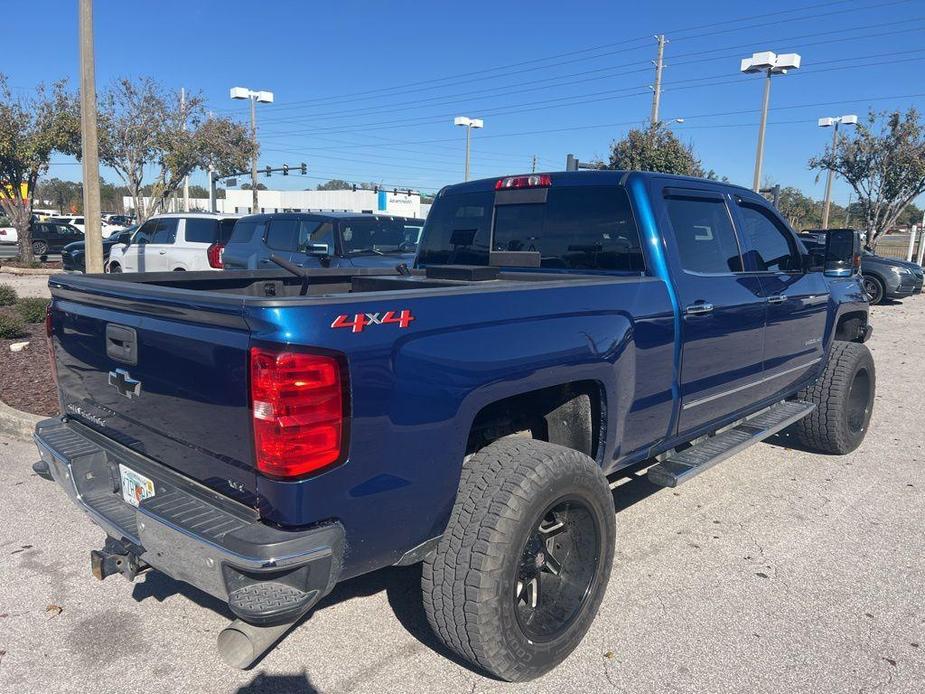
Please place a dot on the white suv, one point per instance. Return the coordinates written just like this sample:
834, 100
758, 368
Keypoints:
184, 241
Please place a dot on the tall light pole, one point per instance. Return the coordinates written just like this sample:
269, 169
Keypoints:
255, 98
769, 63
93, 233
829, 123
469, 123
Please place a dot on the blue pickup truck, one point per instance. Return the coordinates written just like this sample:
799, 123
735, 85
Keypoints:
265, 434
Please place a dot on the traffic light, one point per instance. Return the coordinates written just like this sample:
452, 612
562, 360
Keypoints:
269, 170
354, 187
304, 169
285, 169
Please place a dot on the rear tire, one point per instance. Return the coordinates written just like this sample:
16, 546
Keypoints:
844, 399
39, 248
521, 570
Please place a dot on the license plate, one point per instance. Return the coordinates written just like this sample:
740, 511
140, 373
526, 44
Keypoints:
135, 488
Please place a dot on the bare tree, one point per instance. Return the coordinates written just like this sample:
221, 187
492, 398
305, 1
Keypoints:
30, 130
884, 161
144, 126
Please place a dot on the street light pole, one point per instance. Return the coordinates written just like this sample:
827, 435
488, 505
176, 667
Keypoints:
830, 176
468, 123
255, 97
93, 233
255, 208
759, 155
770, 64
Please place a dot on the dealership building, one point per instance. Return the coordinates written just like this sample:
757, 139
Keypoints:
398, 203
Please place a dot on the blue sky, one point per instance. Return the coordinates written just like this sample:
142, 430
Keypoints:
367, 91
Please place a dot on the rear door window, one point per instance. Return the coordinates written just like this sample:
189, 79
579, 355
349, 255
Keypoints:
704, 234
243, 230
283, 235
201, 230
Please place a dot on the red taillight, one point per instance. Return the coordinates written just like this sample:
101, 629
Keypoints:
214, 253
532, 181
49, 333
298, 404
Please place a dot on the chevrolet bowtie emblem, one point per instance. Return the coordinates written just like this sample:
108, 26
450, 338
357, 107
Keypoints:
126, 385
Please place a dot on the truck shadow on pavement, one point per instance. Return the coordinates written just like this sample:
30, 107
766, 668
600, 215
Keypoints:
401, 584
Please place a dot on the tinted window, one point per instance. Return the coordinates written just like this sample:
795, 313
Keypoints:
372, 235
225, 229
243, 231
704, 234
199, 230
577, 228
166, 231
458, 230
146, 232
770, 244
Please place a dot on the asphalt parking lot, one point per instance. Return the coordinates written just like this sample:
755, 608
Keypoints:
776, 571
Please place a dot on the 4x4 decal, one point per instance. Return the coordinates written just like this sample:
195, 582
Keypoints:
361, 320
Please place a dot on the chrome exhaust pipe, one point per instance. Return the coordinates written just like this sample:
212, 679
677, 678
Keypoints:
241, 644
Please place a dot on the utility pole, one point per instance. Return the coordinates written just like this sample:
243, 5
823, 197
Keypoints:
533, 169
93, 233
185, 178
657, 89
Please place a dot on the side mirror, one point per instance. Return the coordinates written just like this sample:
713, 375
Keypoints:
842, 253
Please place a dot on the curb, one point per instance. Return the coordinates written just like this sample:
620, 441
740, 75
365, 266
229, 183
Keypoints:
16, 423
28, 271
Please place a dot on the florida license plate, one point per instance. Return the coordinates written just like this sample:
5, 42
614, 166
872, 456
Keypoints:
135, 488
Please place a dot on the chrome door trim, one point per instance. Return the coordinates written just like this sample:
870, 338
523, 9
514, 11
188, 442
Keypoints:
760, 381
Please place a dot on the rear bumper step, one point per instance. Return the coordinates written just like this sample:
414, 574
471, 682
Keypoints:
682, 466
267, 575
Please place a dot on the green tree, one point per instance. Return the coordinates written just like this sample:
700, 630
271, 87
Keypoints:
143, 126
656, 148
884, 162
911, 215
248, 186
30, 130
61, 195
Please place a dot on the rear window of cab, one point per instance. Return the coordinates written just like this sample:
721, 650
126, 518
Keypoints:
571, 227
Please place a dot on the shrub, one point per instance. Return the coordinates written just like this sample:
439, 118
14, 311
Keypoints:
32, 310
11, 326
7, 295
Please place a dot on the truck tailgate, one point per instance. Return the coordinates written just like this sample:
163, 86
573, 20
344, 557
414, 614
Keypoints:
168, 381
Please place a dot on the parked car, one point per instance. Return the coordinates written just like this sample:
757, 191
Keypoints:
119, 220
263, 435
73, 255
51, 237
107, 228
884, 278
186, 241
327, 239
8, 235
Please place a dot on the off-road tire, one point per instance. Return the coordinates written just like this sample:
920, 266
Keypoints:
469, 583
836, 426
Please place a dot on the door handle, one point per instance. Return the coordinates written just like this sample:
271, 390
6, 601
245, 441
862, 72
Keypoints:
162, 252
698, 309
777, 299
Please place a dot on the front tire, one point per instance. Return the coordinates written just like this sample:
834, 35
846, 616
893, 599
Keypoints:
115, 267
521, 570
874, 289
844, 399
39, 248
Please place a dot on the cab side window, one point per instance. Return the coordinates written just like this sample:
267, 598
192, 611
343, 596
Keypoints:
771, 246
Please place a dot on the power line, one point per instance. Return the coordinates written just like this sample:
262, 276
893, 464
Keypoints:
452, 79
595, 97
699, 54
